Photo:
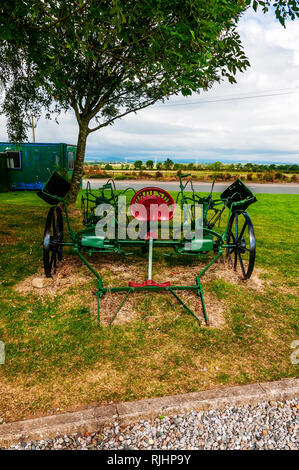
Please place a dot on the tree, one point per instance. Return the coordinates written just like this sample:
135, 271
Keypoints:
138, 165
248, 166
168, 164
149, 164
105, 60
217, 166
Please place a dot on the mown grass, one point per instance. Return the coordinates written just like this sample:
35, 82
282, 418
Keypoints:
57, 356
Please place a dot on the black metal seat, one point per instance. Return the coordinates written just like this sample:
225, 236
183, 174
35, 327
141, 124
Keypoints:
238, 193
55, 186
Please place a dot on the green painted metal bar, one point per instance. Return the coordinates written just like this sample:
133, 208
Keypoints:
71, 231
101, 290
171, 289
208, 265
120, 305
158, 243
200, 293
148, 288
76, 250
184, 305
99, 294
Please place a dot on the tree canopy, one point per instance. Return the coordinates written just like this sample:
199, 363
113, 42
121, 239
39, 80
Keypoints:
106, 59
149, 164
138, 165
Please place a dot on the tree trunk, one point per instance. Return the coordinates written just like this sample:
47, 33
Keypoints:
78, 168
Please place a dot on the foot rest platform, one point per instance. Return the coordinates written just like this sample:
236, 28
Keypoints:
149, 283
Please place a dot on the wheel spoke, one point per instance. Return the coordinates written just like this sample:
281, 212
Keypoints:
50, 242
236, 259
236, 227
242, 265
54, 225
243, 229
53, 256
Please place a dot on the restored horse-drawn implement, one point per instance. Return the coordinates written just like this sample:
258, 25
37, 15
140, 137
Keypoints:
192, 231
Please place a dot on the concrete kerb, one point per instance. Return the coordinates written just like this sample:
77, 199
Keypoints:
94, 419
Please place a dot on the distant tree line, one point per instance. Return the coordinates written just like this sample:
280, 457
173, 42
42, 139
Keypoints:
168, 164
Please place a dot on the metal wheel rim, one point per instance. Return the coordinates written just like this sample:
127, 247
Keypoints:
53, 237
237, 241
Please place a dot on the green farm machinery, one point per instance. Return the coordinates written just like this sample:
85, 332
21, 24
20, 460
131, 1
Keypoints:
187, 225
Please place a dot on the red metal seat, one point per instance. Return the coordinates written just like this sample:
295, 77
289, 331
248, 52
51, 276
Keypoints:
158, 204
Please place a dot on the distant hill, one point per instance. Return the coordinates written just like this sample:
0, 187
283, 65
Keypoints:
115, 160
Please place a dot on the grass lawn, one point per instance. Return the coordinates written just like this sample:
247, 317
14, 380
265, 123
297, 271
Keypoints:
57, 356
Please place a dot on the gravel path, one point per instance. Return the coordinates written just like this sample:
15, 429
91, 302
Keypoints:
268, 425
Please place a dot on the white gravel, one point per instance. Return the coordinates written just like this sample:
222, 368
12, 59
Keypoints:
268, 425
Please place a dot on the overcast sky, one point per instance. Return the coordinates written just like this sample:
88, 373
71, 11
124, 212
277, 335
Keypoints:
248, 129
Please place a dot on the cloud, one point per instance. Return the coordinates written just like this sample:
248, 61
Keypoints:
239, 128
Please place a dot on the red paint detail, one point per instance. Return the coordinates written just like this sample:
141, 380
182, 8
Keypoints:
160, 199
149, 283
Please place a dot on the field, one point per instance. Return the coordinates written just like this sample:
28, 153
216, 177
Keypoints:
58, 359
118, 173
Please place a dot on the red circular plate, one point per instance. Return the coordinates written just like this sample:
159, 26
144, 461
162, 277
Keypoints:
153, 198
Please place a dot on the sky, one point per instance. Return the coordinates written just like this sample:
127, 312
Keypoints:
228, 123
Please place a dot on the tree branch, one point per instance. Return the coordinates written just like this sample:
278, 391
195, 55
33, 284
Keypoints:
133, 110
75, 108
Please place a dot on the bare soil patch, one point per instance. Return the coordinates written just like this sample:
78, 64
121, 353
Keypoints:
69, 274
224, 271
73, 275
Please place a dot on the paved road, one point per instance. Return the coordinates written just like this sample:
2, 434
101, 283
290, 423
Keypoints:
200, 187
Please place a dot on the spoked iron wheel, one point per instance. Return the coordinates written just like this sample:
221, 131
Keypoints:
53, 239
240, 237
